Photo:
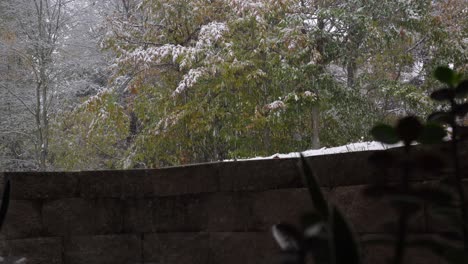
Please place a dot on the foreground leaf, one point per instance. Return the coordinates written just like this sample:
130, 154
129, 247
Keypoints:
318, 199
445, 75
311, 219
345, 246
440, 118
5, 202
461, 110
462, 89
445, 94
432, 134
385, 134
287, 237
409, 129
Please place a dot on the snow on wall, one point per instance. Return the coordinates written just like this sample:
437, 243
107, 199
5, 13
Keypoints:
352, 147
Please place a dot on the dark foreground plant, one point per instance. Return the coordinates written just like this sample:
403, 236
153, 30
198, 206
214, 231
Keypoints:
454, 94
326, 235
5, 202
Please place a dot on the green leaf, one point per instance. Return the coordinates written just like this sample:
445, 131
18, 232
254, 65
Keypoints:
445, 75
409, 129
462, 89
458, 78
432, 134
445, 94
345, 246
385, 134
5, 202
318, 199
440, 118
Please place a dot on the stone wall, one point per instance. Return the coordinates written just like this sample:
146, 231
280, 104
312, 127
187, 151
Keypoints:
208, 213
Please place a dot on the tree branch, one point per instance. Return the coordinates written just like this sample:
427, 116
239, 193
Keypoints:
19, 99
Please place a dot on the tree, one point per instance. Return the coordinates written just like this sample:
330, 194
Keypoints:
38, 26
233, 60
204, 80
15, 119
54, 44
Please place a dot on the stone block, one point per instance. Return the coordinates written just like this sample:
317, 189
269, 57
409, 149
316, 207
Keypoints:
137, 183
43, 185
371, 215
441, 222
220, 212
342, 169
281, 206
258, 175
164, 214
79, 216
108, 249
245, 248
180, 248
115, 184
170, 214
192, 179
33, 250
138, 215
445, 219
23, 220
212, 248
384, 254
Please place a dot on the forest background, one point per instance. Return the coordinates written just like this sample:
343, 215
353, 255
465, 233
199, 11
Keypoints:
114, 84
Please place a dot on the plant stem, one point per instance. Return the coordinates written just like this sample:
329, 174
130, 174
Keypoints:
400, 242
404, 216
458, 177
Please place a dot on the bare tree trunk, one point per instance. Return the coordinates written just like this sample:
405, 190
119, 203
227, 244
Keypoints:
46, 44
351, 72
315, 111
353, 43
37, 117
315, 127
44, 119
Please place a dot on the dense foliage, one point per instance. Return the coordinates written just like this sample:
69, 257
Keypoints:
195, 81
